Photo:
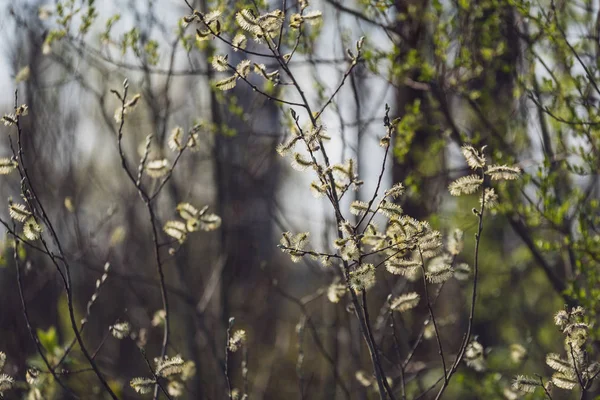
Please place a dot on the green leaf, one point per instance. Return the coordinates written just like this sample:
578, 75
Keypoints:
48, 338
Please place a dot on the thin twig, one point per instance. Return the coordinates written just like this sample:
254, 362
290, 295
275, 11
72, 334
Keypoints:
467, 336
67, 275
226, 364
431, 315
30, 328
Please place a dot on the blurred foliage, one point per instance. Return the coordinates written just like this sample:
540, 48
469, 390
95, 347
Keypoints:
516, 77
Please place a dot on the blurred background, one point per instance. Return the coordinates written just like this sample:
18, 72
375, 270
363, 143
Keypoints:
516, 76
